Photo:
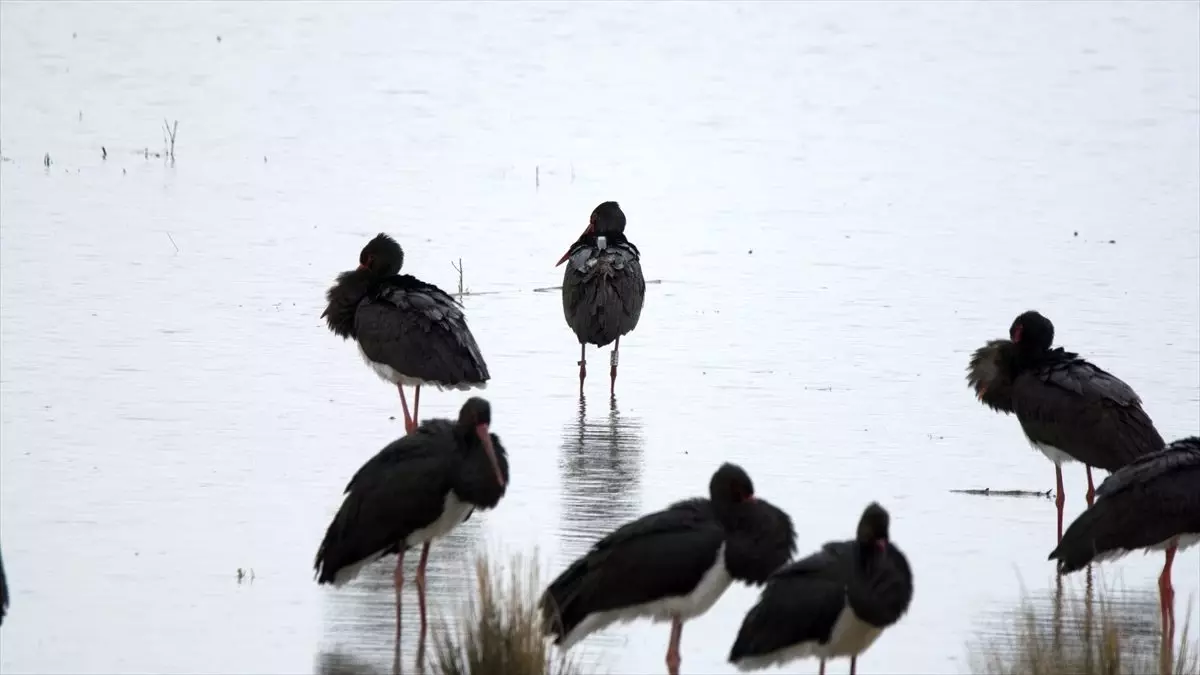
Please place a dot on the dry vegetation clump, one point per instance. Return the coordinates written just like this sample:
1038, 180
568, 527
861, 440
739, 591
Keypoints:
499, 630
1102, 644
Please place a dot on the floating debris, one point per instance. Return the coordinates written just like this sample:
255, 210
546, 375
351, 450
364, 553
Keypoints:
988, 492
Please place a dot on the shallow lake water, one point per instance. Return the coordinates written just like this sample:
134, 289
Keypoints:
841, 202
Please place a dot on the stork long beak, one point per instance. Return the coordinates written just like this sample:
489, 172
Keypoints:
486, 438
980, 392
881, 543
566, 255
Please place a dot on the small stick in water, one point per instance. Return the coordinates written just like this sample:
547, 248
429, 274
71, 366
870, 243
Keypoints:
988, 492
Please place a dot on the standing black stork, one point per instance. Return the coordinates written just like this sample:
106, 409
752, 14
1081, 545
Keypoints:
1068, 408
672, 565
1152, 503
833, 603
418, 488
603, 287
408, 331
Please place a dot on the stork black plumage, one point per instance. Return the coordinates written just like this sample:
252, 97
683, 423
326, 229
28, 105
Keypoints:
3, 592
672, 565
833, 603
408, 331
603, 288
1152, 503
1069, 409
418, 488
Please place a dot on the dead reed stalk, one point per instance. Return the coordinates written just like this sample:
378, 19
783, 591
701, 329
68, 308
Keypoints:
1085, 642
499, 630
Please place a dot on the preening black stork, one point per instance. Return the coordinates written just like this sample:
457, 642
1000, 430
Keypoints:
672, 565
1152, 503
603, 288
418, 488
408, 331
1069, 409
831, 604
3, 592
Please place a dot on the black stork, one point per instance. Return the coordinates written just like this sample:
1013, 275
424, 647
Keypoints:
3, 592
603, 288
671, 565
418, 488
409, 332
1069, 409
831, 604
1152, 503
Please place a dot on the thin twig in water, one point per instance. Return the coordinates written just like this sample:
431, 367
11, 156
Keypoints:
169, 138
173, 242
462, 290
988, 492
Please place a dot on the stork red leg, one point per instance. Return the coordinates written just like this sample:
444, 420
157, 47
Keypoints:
408, 422
416, 405
1059, 499
822, 671
673, 648
1091, 493
421, 600
582, 367
612, 370
853, 663
1167, 594
399, 587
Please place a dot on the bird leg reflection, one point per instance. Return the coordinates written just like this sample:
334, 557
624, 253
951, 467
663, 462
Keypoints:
1167, 595
1091, 493
399, 587
1058, 610
1059, 499
421, 602
408, 421
612, 370
582, 367
673, 647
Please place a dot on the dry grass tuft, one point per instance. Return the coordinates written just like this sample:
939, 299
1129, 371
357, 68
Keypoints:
500, 630
1101, 645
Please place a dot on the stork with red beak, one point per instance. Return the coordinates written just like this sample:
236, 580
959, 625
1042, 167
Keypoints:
834, 603
408, 331
1069, 409
416, 490
603, 287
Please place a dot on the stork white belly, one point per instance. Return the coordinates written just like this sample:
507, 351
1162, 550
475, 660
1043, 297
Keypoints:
454, 511
850, 636
1182, 542
706, 593
1052, 453
390, 374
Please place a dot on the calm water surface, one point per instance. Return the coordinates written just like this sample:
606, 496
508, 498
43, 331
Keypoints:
841, 202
